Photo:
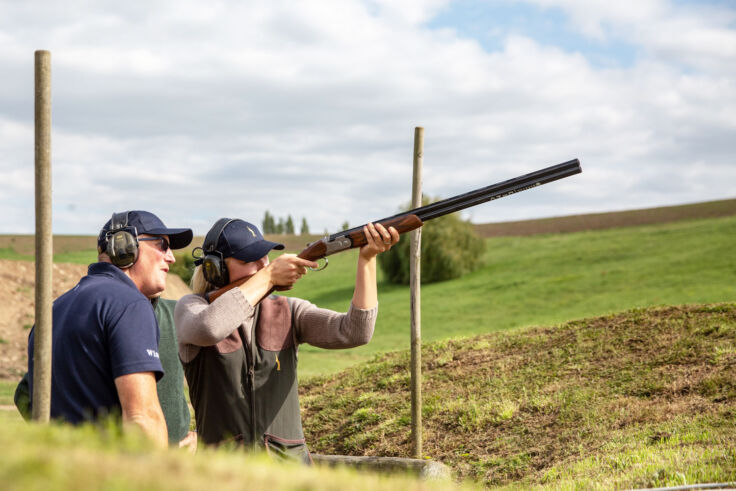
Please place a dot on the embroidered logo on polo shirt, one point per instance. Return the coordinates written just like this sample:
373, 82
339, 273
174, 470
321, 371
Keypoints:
152, 353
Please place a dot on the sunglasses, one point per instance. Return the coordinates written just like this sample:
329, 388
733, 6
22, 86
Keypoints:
163, 244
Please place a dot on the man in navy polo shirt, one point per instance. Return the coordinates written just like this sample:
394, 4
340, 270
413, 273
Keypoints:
105, 357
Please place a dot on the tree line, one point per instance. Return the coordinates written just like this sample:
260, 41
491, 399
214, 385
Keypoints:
271, 225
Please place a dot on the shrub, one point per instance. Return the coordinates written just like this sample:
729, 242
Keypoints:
450, 249
184, 266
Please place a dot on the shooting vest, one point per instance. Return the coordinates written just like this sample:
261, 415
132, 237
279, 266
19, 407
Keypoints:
248, 394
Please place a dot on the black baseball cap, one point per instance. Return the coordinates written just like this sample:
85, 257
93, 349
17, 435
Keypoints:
146, 222
242, 240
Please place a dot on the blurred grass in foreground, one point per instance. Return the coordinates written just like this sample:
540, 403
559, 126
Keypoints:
61, 457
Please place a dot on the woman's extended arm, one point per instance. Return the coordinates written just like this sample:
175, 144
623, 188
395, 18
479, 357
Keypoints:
379, 240
332, 330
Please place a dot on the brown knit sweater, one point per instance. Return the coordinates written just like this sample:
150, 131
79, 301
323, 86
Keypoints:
199, 323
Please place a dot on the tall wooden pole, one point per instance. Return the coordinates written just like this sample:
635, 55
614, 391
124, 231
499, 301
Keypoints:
415, 254
41, 397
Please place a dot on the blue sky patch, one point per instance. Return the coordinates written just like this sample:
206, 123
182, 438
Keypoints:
490, 22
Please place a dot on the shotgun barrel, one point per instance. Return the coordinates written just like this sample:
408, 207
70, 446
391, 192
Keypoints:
481, 195
413, 219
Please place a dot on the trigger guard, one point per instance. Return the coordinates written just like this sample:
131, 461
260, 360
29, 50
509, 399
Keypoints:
327, 262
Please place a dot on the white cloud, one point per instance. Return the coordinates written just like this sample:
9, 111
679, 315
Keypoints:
697, 34
308, 108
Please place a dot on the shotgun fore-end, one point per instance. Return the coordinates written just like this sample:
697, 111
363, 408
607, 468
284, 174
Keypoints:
402, 224
356, 237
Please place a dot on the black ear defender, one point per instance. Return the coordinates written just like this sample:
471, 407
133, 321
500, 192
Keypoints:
122, 241
213, 264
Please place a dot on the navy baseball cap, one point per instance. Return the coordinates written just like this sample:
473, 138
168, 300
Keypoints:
242, 240
146, 222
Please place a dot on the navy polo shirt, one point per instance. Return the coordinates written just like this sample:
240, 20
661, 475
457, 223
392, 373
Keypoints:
103, 328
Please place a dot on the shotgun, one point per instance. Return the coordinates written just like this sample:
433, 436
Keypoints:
413, 219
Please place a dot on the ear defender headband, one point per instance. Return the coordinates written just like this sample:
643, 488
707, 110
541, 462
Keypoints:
121, 241
213, 264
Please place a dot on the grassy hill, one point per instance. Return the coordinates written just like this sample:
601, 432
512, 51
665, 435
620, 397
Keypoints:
542, 280
643, 398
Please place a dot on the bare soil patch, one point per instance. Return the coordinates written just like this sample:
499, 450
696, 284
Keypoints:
17, 283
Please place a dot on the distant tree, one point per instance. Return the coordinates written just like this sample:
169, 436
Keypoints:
280, 226
305, 228
289, 226
345, 225
450, 249
268, 223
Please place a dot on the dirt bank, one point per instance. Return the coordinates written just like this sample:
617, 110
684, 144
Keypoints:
17, 281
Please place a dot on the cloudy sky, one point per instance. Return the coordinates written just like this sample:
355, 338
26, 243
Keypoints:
198, 110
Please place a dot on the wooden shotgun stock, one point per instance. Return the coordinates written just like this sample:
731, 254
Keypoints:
413, 219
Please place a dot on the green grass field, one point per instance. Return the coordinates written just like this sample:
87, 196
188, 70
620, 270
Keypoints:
532, 280
86, 256
541, 280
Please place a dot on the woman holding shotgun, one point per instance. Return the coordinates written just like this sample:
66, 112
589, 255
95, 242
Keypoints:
240, 351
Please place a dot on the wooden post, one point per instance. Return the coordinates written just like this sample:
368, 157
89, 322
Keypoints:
415, 254
41, 397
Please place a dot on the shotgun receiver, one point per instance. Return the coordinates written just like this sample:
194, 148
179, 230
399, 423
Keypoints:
413, 219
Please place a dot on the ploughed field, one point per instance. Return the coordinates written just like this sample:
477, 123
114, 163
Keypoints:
602, 221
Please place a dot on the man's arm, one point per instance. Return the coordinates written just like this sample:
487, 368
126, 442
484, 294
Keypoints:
139, 400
